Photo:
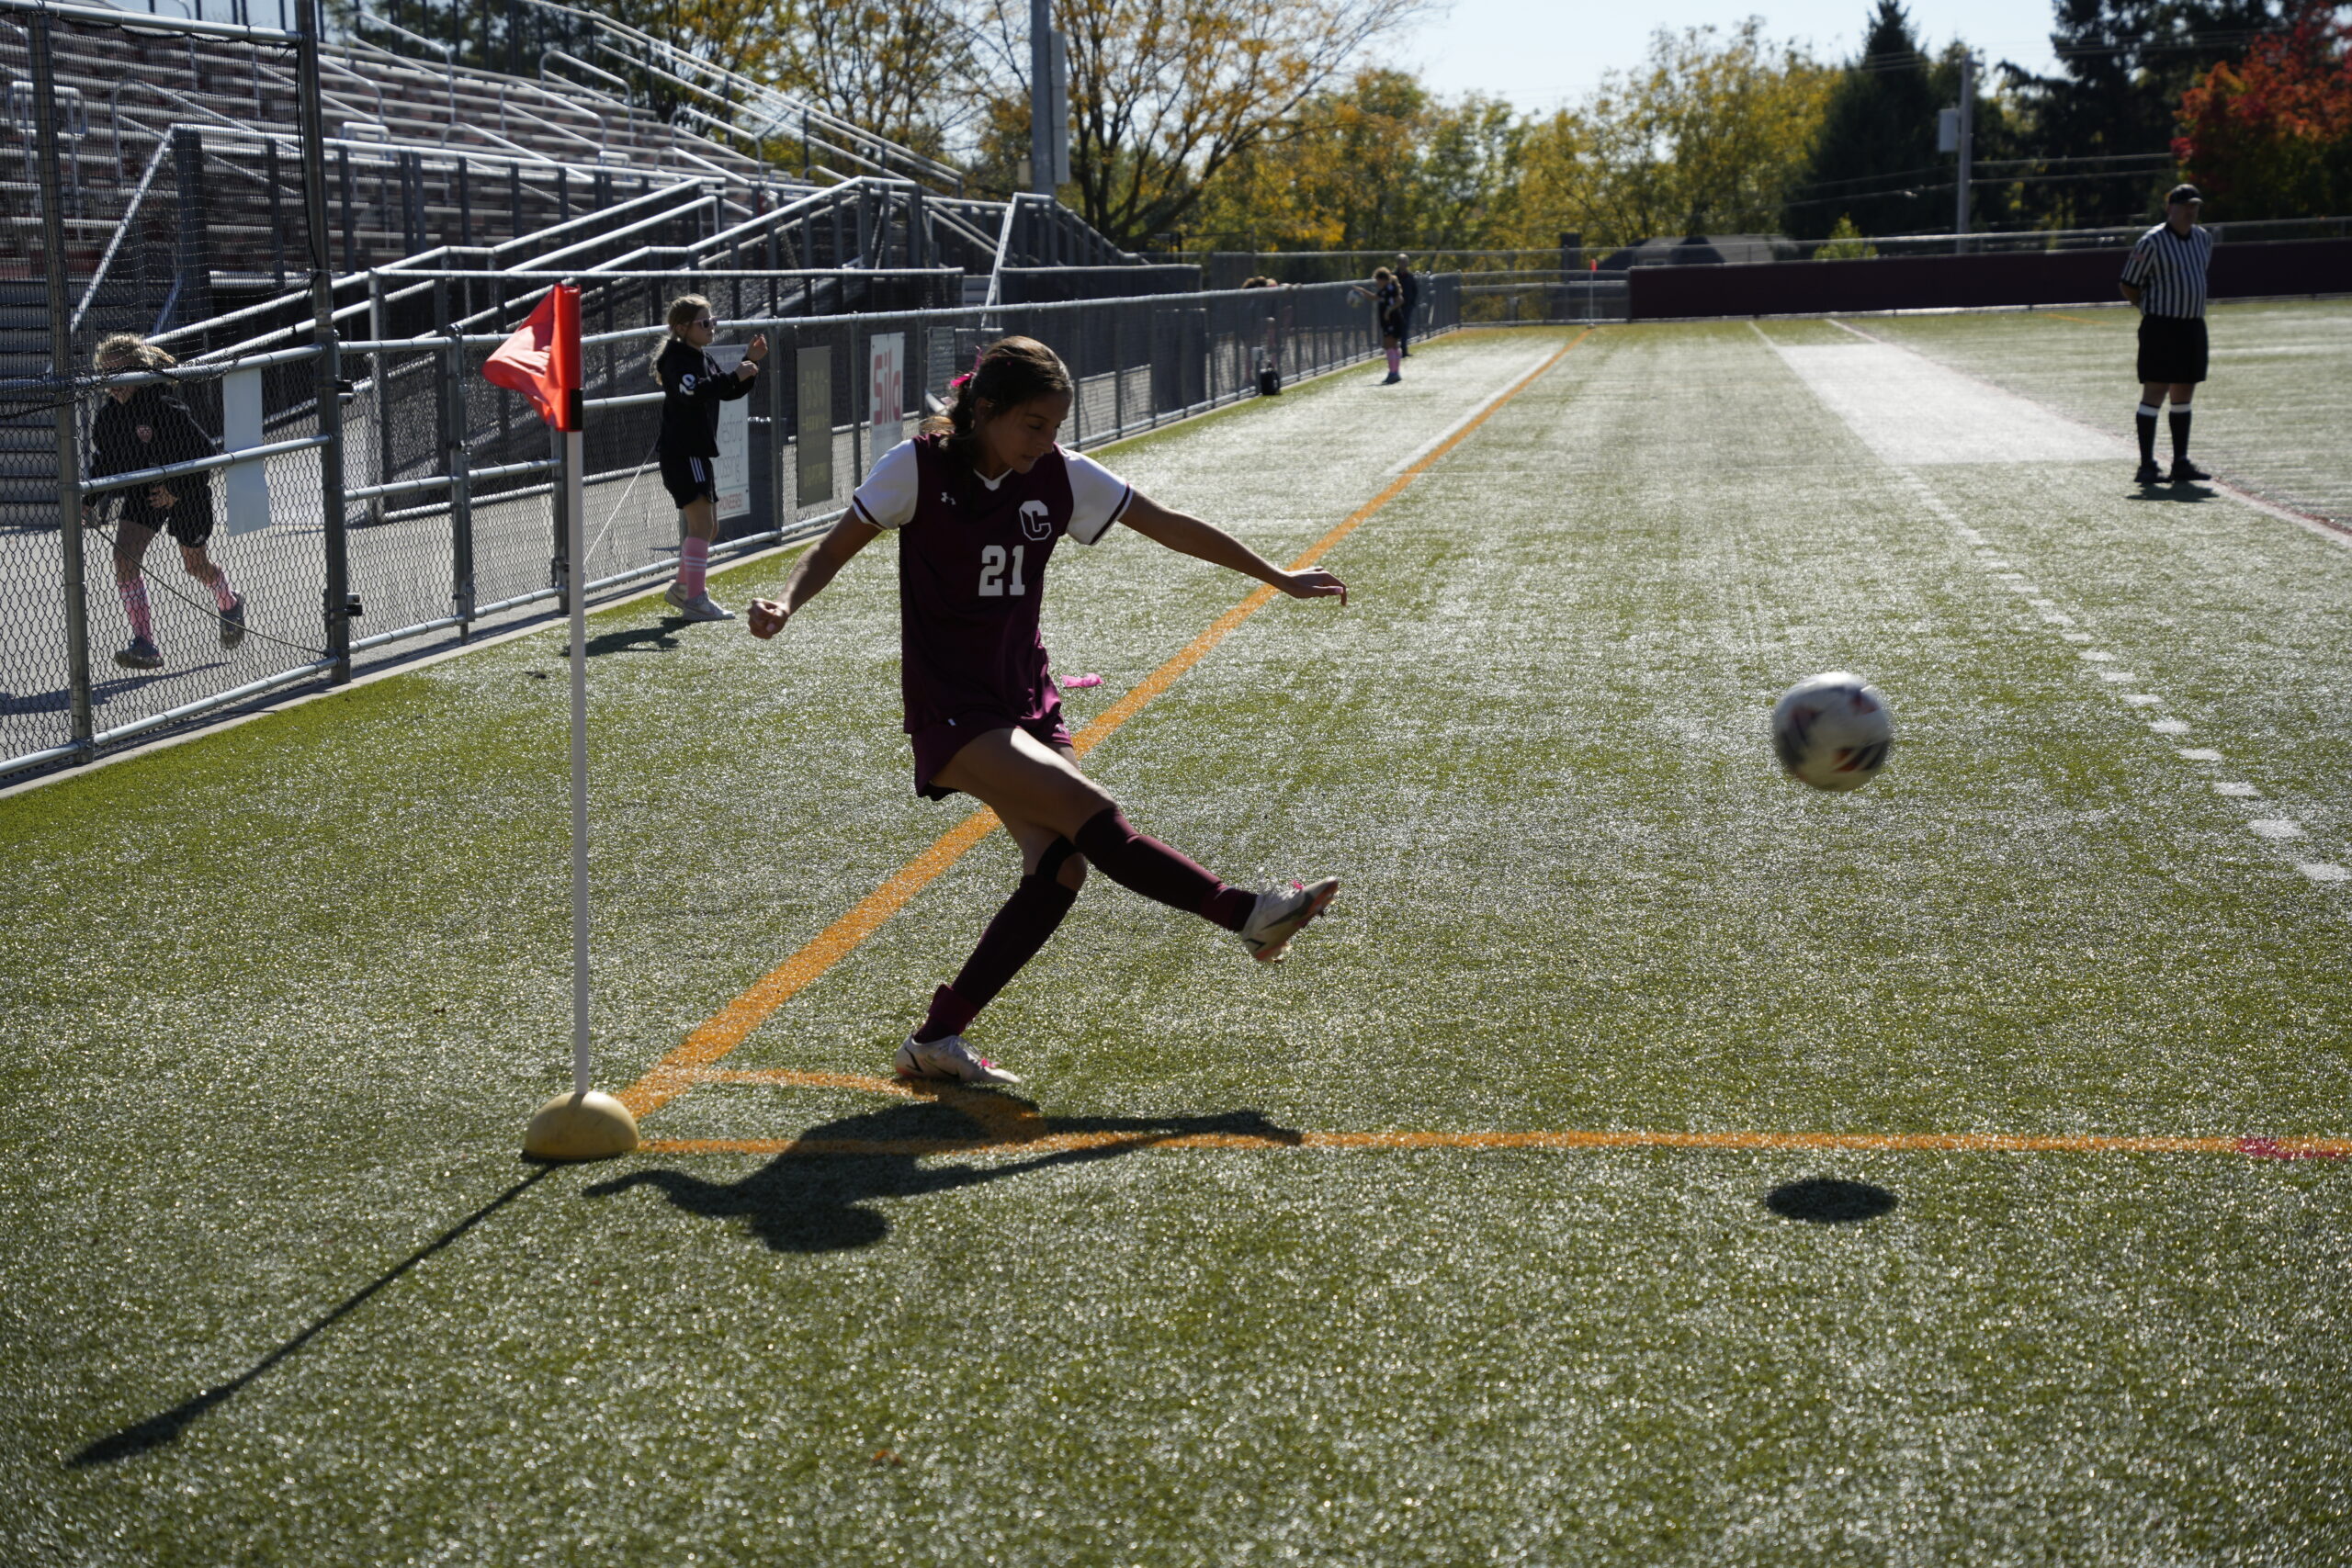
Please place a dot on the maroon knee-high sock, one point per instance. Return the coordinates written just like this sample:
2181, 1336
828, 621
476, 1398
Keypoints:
1019, 929
1146, 865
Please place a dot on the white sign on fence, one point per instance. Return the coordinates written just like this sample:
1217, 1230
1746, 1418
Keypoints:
731, 469
247, 484
888, 387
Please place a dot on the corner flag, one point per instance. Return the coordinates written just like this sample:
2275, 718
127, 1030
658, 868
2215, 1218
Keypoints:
542, 359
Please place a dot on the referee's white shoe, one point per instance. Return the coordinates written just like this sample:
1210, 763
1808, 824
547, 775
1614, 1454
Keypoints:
949, 1058
1281, 913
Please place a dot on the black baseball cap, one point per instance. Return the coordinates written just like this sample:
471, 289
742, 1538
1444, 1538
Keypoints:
2182, 193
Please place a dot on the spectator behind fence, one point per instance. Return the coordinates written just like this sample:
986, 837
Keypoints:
147, 428
1410, 287
693, 386
1388, 299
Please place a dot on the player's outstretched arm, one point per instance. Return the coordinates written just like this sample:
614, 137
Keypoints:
811, 572
1189, 535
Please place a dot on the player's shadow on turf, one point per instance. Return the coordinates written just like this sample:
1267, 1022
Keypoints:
814, 1197
2179, 492
660, 639
158, 1431
1826, 1200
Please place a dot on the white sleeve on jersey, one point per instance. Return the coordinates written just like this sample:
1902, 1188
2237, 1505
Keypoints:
1097, 498
886, 499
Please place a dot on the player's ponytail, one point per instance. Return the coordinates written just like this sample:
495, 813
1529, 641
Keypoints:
1008, 373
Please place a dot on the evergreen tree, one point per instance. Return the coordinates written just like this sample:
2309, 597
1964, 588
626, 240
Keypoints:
2125, 65
1877, 144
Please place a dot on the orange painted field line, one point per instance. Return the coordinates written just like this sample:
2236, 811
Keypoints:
676, 1073
1849, 1142
2089, 320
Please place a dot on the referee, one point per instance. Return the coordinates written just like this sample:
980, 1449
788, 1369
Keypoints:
2166, 278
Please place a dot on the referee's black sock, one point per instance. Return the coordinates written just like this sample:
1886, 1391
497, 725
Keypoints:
2146, 421
2179, 433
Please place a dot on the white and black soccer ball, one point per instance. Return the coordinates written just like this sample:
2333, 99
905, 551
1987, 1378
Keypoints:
1832, 731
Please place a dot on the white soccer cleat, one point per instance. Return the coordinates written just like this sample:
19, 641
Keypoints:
949, 1058
701, 608
1281, 913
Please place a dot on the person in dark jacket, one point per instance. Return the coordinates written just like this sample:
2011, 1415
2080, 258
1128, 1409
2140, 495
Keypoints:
1410, 287
693, 386
147, 428
1388, 301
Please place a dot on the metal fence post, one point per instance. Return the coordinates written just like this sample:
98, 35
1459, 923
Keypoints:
338, 603
61, 348
778, 357
456, 464
380, 401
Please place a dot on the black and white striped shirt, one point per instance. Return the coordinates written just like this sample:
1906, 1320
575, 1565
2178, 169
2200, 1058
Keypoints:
2169, 269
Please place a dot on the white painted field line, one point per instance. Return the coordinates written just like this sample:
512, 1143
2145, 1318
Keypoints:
2319, 527
1998, 564
1511, 379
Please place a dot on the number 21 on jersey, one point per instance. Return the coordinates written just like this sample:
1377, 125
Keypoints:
994, 577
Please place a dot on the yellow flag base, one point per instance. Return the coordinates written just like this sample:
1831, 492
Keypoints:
581, 1126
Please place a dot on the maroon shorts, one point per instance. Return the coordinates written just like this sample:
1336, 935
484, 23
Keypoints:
936, 746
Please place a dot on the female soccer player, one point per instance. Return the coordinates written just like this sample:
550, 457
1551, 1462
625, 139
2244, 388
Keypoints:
693, 386
1387, 297
979, 500
146, 427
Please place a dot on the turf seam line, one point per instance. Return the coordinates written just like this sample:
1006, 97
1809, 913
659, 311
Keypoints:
674, 1073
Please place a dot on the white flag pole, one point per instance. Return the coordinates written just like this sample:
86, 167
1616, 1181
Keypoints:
583, 1124
575, 554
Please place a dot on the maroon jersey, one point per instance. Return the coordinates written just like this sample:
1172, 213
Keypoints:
972, 562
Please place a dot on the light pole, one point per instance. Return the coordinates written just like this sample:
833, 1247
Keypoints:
1967, 150
1049, 102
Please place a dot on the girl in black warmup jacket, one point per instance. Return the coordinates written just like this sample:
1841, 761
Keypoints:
146, 427
693, 387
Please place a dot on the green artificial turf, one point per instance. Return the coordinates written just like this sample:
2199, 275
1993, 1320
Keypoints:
277, 1289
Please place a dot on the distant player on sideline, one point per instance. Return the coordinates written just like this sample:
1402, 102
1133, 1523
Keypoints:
2165, 276
979, 500
146, 427
693, 386
1410, 287
1388, 298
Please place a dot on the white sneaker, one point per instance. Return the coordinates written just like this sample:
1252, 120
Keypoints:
701, 608
949, 1058
1281, 913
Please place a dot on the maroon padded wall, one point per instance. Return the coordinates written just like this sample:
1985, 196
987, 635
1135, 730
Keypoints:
2023, 277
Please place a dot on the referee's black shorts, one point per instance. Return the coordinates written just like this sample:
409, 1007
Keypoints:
2172, 349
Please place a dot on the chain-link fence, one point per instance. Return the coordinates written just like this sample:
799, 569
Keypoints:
228, 559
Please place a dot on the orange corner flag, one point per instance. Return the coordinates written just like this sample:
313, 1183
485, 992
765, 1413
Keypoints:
542, 359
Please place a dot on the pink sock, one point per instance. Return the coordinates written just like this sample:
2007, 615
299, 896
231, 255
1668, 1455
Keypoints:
134, 604
1395, 362
222, 594
694, 565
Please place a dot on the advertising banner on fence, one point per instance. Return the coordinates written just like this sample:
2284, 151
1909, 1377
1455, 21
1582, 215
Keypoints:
731, 469
887, 389
813, 433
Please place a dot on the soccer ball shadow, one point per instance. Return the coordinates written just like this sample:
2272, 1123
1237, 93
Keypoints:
1826, 1200
814, 1198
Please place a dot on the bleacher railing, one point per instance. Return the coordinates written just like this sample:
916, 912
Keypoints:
433, 488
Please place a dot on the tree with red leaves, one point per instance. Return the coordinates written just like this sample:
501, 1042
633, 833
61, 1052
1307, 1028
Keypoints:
2271, 136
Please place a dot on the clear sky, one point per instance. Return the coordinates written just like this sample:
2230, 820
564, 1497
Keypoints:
1542, 54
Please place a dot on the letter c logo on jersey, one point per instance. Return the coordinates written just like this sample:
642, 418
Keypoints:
1034, 523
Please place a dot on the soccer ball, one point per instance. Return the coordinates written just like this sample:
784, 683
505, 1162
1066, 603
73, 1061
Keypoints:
1832, 731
